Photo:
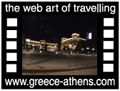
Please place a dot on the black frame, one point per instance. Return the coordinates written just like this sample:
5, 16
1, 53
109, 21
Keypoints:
100, 50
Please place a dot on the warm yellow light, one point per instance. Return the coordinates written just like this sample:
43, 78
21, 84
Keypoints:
87, 48
82, 49
27, 40
70, 45
75, 34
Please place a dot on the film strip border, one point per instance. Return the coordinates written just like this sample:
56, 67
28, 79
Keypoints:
11, 45
108, 44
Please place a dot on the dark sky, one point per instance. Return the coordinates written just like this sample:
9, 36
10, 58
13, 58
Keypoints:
50, 27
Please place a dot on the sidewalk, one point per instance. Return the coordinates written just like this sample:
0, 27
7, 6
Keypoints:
57, 70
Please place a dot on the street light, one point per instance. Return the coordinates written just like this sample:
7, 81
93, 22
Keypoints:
82, 49
27, 40
56, 53
87, 48
40, 51
93, 49
70, 45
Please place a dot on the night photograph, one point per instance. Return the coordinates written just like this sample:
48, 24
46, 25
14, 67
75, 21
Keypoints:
59, 45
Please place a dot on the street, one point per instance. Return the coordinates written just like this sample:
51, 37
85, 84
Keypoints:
35, 63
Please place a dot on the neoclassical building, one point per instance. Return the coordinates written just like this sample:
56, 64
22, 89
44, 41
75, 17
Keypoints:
42, 44
72, 42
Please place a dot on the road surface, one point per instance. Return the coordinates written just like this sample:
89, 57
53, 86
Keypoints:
46, 63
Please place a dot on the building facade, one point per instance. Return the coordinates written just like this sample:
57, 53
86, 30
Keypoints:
42, 45
70, 44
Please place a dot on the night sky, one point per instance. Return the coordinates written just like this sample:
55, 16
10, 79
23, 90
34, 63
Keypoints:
52, 27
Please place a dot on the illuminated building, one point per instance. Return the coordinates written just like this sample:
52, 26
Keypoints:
72, 42
52, 47
42, 44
